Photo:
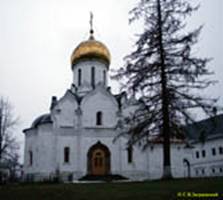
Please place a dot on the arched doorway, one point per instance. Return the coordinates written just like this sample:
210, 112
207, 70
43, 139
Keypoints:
187, 165
98, 160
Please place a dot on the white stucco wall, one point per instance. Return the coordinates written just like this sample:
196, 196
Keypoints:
41, 142
64, 113
30, 145
85, 67
208, 165
99, 100
45, 153
74, 126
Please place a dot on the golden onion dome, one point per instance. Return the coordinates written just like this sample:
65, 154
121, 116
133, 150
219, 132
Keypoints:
90, 48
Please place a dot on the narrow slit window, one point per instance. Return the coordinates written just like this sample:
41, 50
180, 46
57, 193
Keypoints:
104, 77
79, 77
93, 77
30, 158
99, 118
130, 154
66, 155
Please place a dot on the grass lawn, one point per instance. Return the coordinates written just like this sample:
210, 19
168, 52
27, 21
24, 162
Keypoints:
154, 190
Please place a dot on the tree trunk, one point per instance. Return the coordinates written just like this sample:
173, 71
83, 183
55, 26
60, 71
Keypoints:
165, 103
0, 144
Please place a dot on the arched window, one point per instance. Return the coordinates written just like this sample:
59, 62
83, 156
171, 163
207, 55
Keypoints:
30, 158
79, 77
66, 155
104, 77
99, 118
93, 76
130, 154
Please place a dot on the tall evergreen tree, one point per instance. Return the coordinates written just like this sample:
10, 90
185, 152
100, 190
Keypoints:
164, 74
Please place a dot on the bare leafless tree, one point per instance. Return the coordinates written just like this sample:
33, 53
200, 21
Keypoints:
8, 143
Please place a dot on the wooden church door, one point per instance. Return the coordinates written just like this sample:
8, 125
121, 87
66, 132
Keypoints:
98, 162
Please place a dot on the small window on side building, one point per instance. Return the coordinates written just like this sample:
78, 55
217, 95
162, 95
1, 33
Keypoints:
203, 171
221, 150
197, 154
197, 172
203, 153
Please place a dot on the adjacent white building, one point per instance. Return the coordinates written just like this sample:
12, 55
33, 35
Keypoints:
76, 137
206, 138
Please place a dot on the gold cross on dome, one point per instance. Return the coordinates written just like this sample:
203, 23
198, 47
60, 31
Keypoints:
91, 24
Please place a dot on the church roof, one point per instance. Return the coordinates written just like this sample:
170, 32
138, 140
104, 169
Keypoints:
78, 98
118, 98
45, 118
207, 129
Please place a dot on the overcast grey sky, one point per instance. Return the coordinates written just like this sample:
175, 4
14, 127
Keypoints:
38, 37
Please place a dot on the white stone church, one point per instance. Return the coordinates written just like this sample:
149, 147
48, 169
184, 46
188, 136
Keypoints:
75, 138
